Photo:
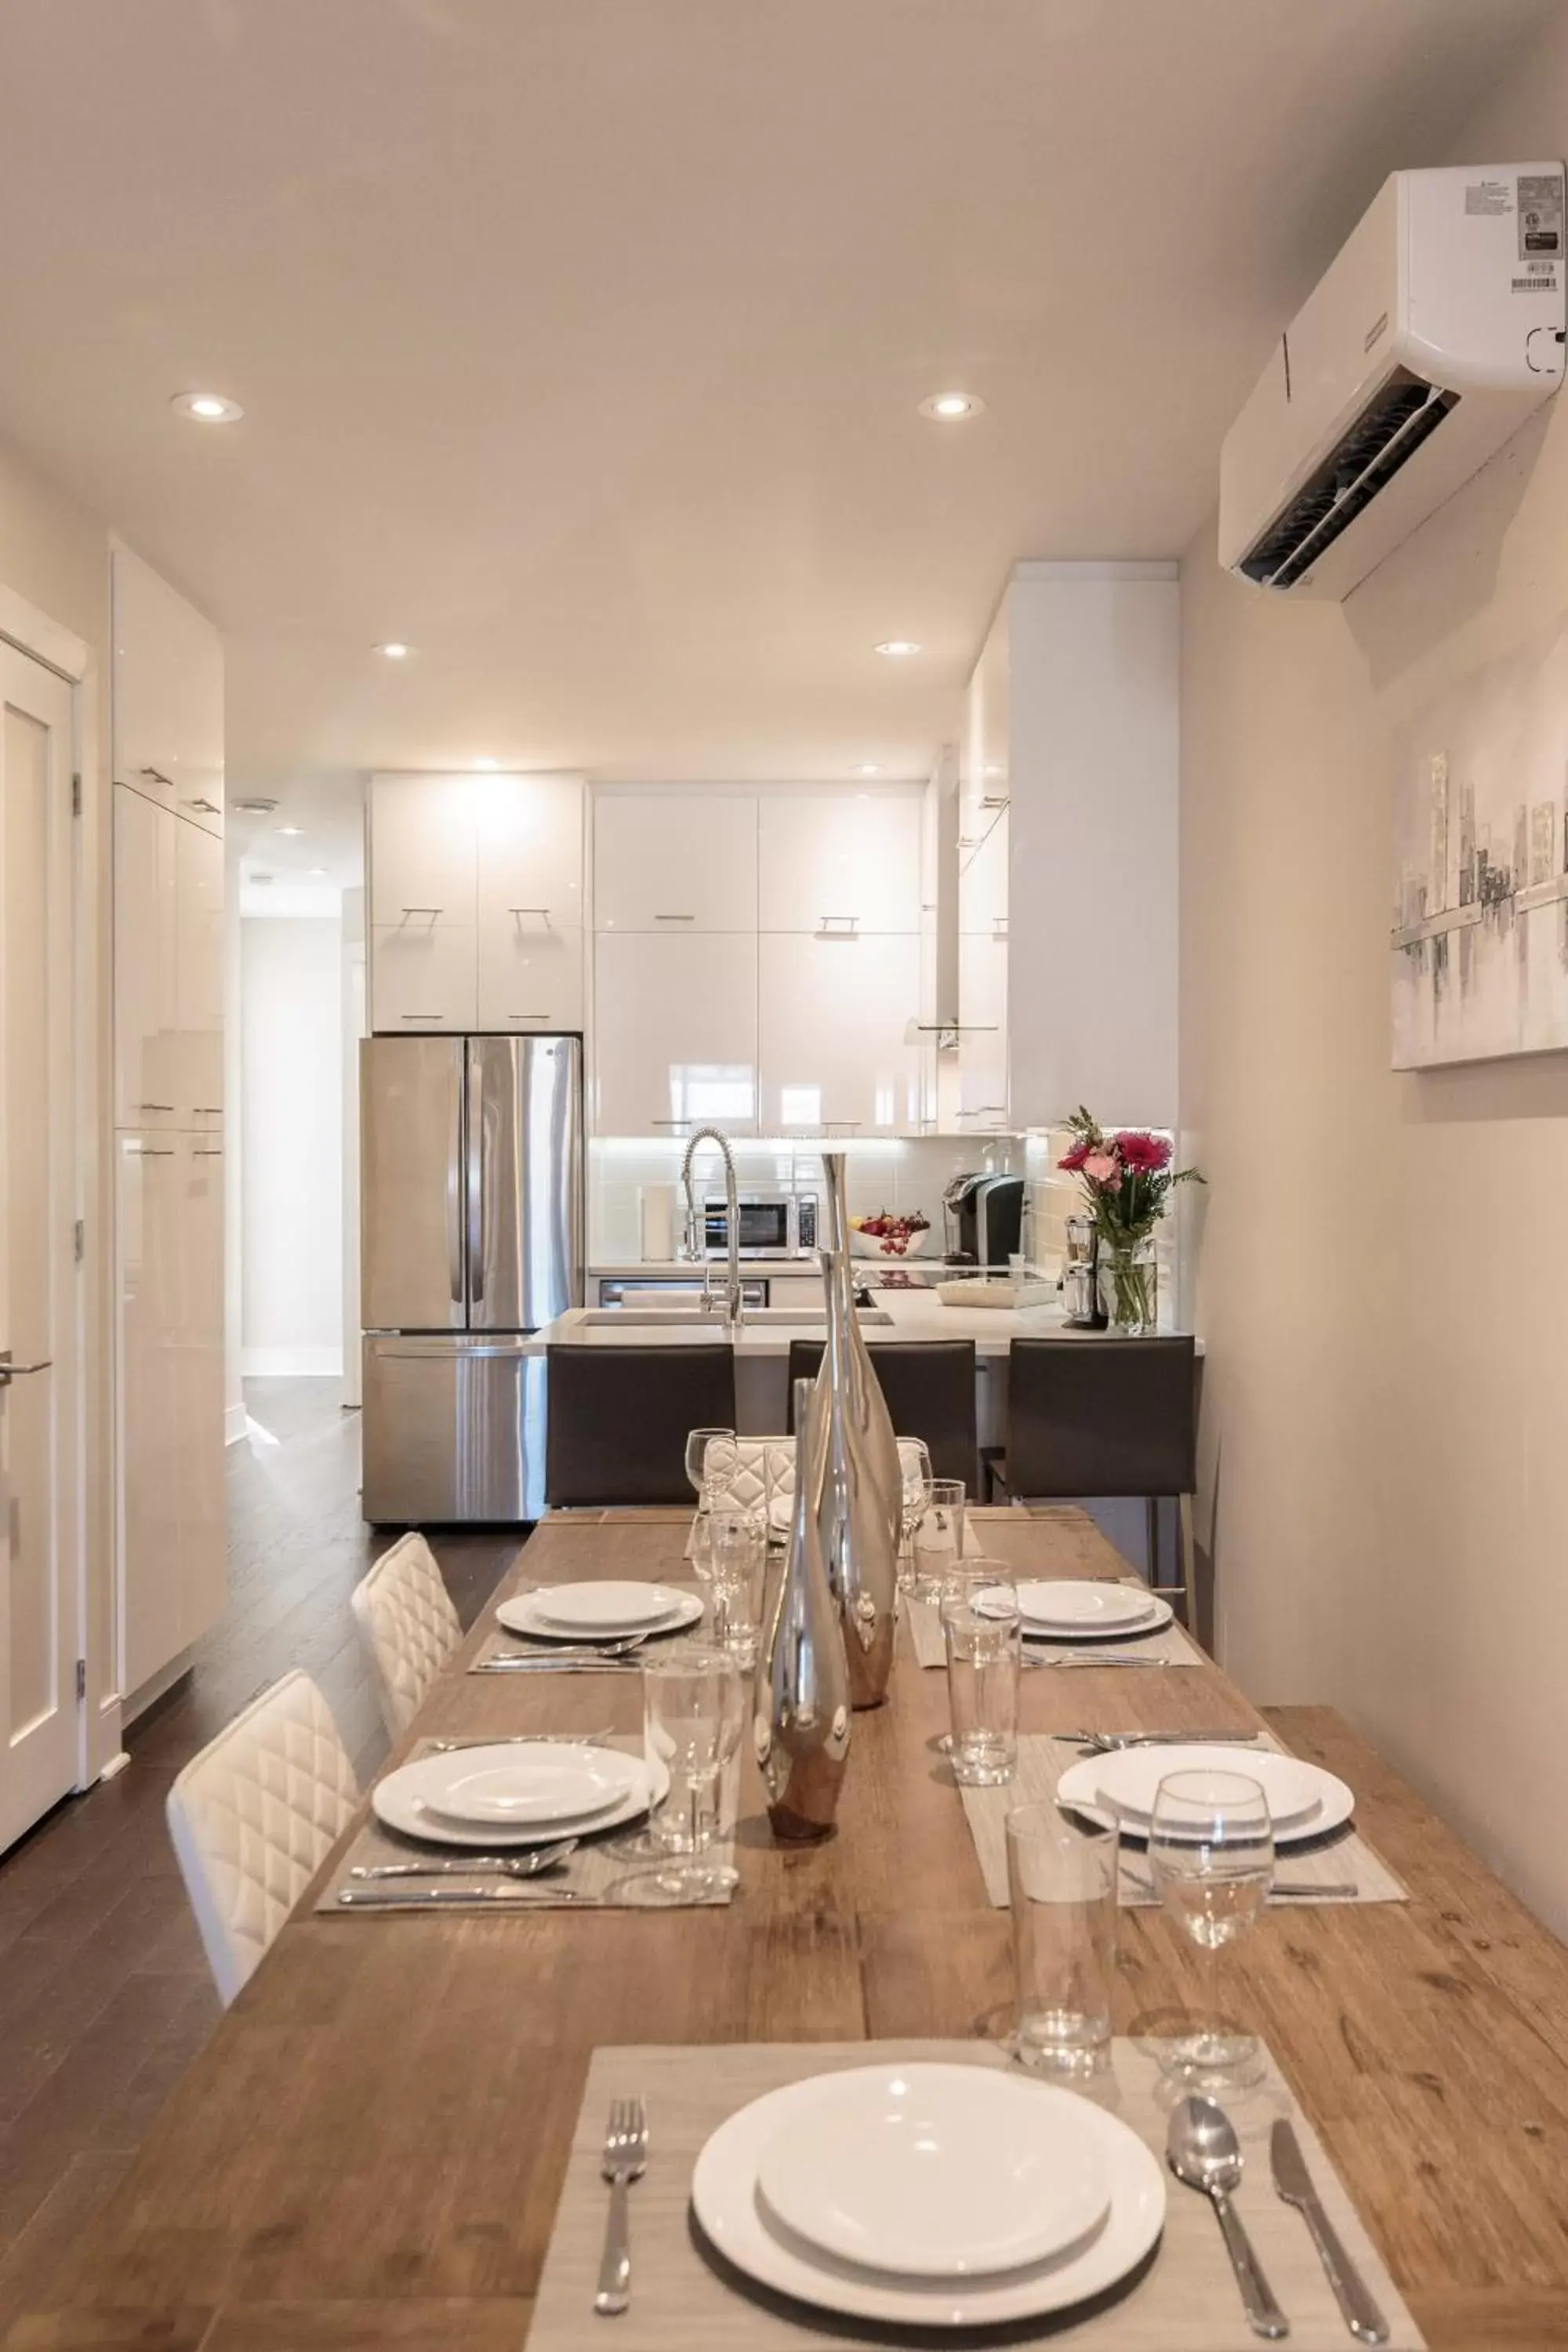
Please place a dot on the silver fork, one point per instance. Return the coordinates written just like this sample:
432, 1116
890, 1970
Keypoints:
479, 1866
625, 2160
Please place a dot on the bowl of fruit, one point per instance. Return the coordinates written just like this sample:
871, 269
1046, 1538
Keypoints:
885, 1235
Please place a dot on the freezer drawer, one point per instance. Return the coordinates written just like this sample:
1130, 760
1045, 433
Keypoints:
453, 1430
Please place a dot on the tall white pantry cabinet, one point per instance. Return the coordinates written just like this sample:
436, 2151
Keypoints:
168, 914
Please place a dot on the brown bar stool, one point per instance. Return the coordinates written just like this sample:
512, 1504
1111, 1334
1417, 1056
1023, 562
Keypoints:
1106, 1417
617, 1420
930, 1388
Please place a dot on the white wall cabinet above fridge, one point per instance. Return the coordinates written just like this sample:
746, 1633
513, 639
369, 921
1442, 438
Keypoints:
167, 695
476, 902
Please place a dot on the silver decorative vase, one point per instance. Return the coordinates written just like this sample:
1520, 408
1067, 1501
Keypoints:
860, 1515
801, 1714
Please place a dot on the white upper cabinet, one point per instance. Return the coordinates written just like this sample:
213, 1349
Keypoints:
839, 861
167, 695
424, 849
198, 975
530, 973
982, 1047
983, 899
423, 975
146, 1053
530, 845
675, 1032
837, 1032
674, 862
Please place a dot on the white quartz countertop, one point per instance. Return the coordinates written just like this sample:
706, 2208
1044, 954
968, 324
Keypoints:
915, 1315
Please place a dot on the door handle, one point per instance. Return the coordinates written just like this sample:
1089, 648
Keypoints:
476, 1173
210, 806
146, 1151
155, 1106
455, 1142
10, 1371
207, 1152
542, 912
159, 777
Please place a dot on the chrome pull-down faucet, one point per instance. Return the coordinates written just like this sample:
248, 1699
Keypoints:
696, 1246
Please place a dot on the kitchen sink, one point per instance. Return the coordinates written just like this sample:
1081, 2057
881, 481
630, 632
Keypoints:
689, 1318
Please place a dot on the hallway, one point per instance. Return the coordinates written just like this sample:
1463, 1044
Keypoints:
104, 1991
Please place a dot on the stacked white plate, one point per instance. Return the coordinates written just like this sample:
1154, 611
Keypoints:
598, 1612
1304, 1800
510, 1794
1075, 1611
930, 2195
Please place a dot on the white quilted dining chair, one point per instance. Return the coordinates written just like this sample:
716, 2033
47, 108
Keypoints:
251, 1818
765, 1465
408, 1625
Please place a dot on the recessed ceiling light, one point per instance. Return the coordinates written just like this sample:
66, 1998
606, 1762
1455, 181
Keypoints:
867, 768
206, 407
294, 829
897, 648
256, 806
395, 651
952, 407
315, 869
487, 763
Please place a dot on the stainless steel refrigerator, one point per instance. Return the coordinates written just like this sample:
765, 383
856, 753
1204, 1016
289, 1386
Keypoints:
471, 1238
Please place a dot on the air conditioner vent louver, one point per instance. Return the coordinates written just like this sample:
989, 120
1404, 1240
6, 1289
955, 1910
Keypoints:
1389, 430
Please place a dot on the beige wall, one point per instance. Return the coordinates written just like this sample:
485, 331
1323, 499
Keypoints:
1383, 1274
57, 556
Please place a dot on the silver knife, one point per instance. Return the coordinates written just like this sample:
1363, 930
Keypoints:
400, 1898
1293, 2183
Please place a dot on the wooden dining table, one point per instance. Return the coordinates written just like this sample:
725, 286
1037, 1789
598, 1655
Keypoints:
368, 2152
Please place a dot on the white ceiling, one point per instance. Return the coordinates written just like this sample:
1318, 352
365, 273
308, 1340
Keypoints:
581, 340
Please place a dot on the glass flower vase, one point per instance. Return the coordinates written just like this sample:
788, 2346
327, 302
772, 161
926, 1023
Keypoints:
1129, 1288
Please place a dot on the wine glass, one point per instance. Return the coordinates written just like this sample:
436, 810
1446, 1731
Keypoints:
693, 1714
1211, 1855
703, 1469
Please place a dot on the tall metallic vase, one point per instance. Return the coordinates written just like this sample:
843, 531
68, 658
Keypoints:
801, 1717
861, 1510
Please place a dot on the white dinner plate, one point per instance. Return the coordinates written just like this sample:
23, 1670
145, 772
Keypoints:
1073, 1611
545, 1784
404, 1801
1105, 1786
734, 2218
523, 1615
936, 2171
613, 1607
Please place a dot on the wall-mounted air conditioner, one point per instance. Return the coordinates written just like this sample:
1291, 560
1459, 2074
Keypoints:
1431, 339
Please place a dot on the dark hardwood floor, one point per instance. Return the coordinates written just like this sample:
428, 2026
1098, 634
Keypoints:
104, 1992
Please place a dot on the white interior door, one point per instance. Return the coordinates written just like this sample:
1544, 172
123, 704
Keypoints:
39, 1594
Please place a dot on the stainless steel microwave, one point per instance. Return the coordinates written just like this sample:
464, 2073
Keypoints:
785, 1226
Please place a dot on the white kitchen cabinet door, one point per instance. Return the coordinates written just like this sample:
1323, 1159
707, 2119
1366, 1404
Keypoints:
675, 1032
423, 975
424, 849
198, 973
148, 1285
983, 1035
197, 1384
839, 861
146, 1046
982, 902
675, 862
530, 836
531, 974
167, 695
837, 1032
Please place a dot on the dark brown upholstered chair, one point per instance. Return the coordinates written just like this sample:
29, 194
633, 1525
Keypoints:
617, 1420
930, 1388
1106, 1417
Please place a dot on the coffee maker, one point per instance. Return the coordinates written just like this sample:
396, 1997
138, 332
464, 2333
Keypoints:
982, 1220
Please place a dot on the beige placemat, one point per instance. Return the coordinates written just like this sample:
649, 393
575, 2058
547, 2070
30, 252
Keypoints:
610, 1873
1342, 1858
1172, 1647
1185, 2301
499, 1644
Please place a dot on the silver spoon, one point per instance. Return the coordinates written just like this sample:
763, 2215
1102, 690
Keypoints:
1201, 2149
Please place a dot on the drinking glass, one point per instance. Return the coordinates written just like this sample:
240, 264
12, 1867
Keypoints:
983, 1632
914, 1458
1211, 1855
937, 1539
693, 1713
734, 1556
1061, 1885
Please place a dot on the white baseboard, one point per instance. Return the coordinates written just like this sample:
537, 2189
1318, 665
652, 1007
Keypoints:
274, 1364
233, 1421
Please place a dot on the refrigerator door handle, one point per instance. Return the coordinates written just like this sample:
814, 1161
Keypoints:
454, 1190
476, 1183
